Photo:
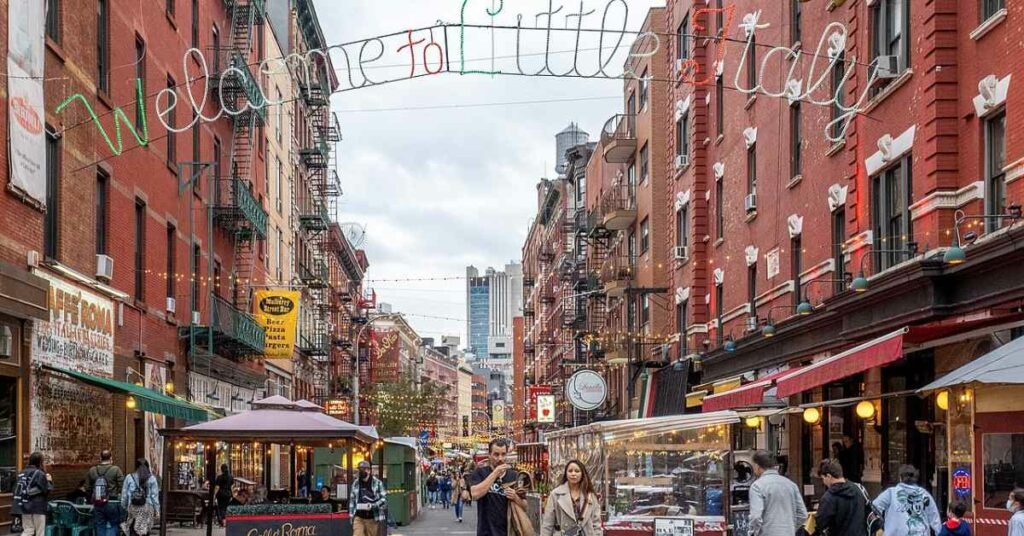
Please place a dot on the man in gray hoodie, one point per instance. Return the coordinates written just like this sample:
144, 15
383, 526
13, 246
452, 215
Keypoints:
909, 509
776, 507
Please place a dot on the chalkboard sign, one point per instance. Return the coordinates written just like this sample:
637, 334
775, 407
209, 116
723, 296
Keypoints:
287, 525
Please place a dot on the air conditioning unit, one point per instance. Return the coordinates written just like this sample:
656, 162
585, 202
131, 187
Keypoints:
751, 323
887, 67
104, 267
196, 318
682, 160
750, 202
171, 305
679, 67
681, 253
33, 258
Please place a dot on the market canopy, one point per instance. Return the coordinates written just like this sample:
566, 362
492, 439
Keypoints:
1004, 365
145, 399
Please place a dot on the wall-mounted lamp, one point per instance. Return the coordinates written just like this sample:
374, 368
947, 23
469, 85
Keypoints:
860, 283
942, 400
812, 415
130, 403
866, 409
956, 254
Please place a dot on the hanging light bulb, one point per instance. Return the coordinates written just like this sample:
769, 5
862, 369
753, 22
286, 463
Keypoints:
130, 403
812, 415
866, 409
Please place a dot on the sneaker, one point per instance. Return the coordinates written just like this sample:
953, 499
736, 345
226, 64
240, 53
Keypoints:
460, 520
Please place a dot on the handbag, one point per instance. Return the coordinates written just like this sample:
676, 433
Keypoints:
519, 523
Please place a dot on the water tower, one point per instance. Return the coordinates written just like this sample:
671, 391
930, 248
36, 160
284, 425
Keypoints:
566, 139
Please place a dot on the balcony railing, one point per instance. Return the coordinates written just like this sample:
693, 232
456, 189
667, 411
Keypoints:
238, 82
237, 210
314, 273
617, 208
617, 275
313, 344
316, 156
314, 217
235, 333
618, 139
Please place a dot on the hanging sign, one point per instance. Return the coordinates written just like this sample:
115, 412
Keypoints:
278, 312
586, 390
546, 408
533, 392
962, 483
498, 413
25, 106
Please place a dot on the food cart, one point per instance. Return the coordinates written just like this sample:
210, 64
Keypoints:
674, 474
399, 474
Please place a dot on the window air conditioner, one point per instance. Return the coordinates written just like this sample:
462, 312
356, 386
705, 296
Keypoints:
104, 267
679, 67
751, 323
887, 67
196, 319
681, 253
682, 160
750, 202
171, 305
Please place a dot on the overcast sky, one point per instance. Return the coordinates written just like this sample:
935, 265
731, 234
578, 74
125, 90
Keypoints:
439, 189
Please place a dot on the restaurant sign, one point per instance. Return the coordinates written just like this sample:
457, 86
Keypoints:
286, 525
70, 421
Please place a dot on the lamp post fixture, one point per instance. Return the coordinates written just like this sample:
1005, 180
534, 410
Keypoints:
860, 283
355, 346
955, 254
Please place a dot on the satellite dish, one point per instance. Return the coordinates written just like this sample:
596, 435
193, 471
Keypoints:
355, 233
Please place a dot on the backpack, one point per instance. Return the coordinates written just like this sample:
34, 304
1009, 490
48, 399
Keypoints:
24, 491
100, 491
141, 492
875, 521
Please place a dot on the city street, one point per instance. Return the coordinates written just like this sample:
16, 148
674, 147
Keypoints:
431, 522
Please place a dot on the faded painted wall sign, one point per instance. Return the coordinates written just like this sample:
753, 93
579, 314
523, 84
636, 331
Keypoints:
70, 421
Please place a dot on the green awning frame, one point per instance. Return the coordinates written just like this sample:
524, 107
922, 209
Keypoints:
145, 399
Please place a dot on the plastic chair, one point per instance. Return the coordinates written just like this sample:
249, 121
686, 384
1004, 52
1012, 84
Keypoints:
67, 517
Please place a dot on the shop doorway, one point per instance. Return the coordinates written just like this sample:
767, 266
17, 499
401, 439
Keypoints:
909, 430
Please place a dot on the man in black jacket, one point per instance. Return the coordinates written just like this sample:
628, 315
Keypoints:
33, 497
843, 509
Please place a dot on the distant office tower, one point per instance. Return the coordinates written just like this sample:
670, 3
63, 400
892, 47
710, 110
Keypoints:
492, 300
477, 300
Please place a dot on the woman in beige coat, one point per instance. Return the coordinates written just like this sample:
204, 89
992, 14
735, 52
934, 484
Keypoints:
572, 508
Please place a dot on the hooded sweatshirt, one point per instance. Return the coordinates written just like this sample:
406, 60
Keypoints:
956, 527
842, 511
909, 510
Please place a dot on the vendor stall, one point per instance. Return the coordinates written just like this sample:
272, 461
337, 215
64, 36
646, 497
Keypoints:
666, 472
273, 421
399, 476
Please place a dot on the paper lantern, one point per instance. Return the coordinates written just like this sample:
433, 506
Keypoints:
866, 409
812, 415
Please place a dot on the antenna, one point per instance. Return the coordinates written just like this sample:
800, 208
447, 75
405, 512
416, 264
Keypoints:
354, 232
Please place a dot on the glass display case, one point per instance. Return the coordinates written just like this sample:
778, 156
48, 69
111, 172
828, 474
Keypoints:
676, 467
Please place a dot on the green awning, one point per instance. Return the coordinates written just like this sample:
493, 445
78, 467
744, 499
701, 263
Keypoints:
145, 399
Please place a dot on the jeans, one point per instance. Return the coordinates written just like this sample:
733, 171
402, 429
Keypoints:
459, 505
106, 518
432, 497
446, 499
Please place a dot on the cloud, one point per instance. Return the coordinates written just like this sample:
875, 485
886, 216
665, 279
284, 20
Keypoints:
440, 189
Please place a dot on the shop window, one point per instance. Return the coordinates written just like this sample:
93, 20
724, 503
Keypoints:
8, 434
1003, 459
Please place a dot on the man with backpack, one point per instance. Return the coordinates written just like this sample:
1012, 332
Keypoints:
31, 495
104, 481
843, 509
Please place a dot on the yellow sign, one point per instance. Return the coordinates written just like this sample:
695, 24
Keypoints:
278, 312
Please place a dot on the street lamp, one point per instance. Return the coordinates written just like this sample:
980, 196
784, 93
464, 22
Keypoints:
355, 346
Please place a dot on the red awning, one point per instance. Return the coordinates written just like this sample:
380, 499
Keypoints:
875, 353
751, 394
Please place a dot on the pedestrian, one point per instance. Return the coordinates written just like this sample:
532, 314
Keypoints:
851, 457
776, 507
302, 480
432, 488
842, 510
491, 487
572, 508
369, 502
140, 497
460, 495
955, 524
837, 451
445, 490
222, 492
32, 495
1015, 504
909, 509
105, 481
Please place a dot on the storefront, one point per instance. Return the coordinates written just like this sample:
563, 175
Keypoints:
23, 298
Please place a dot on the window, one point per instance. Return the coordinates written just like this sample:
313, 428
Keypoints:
683, 39
631, 107
719, 308
752, 63
719, 16
681, 325
795, 140
720, 208
891, 194
216, 278
990, 7
839, 95
752, 288
645, 309
195, 23
197, 259
645, 235
169, 7
889, 26
683, 226
643, 90
51, 222
140, 250
280, 185
197, 155
216, 170
1003, 459
280, 256
720, 106
794, 22
995, 161
631, 247
102, 46
683, 135
280, 114
215, 44
795, 267
838, 240
631, 184
644, 164
140, 76
752, 169
53, 20
102, 200
172, 137
172, 259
